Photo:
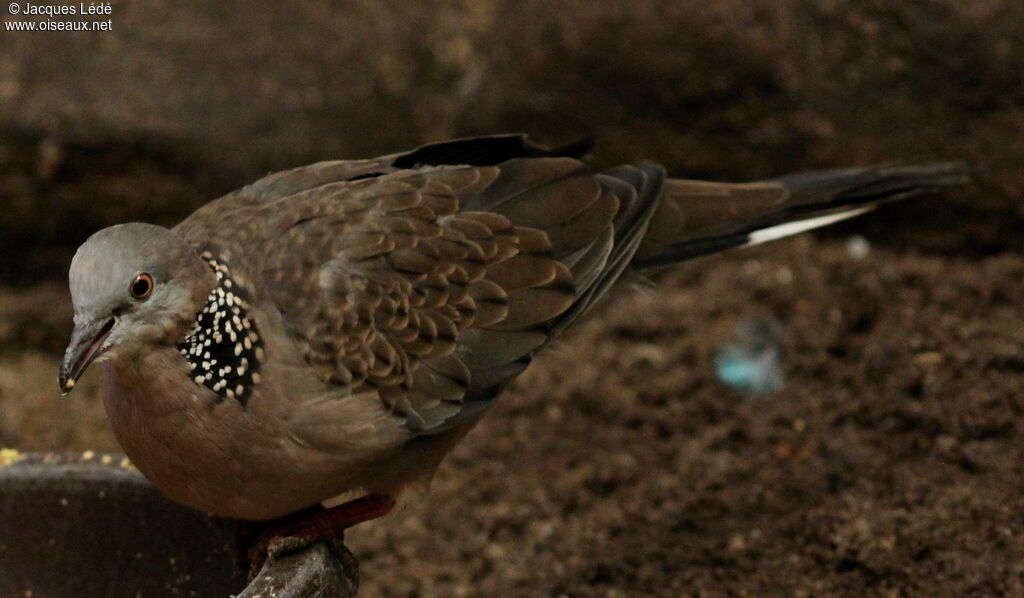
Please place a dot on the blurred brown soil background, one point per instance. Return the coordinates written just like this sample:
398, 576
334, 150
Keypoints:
891, 463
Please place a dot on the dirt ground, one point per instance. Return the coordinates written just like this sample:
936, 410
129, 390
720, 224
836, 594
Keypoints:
889, 465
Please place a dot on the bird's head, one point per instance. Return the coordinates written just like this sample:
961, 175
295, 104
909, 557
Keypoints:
132, 285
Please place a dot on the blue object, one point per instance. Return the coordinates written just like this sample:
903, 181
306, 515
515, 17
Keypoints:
752, 362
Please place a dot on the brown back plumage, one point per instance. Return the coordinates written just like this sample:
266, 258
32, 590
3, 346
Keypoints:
433, 284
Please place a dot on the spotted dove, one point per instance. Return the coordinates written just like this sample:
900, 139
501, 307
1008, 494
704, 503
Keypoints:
331, 332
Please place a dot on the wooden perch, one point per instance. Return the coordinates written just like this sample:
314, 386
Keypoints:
313, 571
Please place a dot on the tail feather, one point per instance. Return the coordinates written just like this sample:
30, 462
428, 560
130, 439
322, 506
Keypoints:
795, 227
697, 218
850, 186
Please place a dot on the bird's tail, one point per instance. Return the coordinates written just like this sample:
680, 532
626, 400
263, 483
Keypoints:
697, 218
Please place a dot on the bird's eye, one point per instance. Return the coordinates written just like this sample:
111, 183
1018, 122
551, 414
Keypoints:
142, 286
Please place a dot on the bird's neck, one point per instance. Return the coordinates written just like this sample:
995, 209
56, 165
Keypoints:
150, 382
223, 349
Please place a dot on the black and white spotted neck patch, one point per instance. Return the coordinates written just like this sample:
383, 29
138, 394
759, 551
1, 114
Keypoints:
224, 349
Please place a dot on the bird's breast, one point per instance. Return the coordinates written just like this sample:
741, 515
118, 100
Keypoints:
218, 455
173, 432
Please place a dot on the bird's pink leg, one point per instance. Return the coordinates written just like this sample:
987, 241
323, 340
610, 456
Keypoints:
313, 524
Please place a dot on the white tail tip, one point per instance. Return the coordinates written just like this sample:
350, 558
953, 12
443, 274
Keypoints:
795, 227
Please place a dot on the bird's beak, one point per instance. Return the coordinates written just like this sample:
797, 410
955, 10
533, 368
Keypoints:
85, 346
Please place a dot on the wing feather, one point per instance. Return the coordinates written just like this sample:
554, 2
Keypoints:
433, 287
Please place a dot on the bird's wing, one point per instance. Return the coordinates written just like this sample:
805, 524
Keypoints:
471, 151
434, 287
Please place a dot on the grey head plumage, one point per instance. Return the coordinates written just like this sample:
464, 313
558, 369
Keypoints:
131, 283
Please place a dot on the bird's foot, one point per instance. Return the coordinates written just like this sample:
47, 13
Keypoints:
297, 531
